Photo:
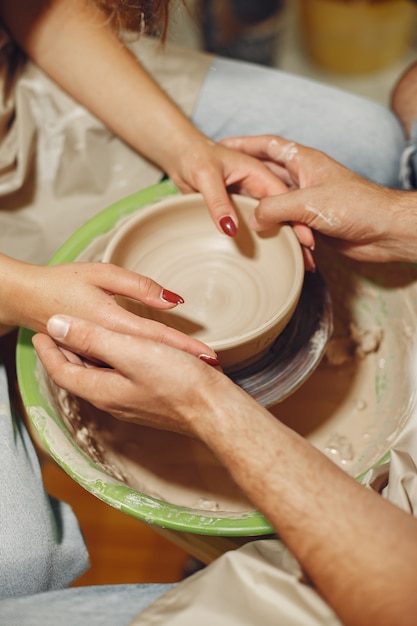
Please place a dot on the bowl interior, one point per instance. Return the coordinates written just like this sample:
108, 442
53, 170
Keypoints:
239, 292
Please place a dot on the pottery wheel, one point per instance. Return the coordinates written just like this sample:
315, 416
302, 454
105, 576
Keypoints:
292, 358
298, 350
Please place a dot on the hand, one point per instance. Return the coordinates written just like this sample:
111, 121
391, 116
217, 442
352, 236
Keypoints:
32, 294
363, 220
151, 384
214, 170
210, 168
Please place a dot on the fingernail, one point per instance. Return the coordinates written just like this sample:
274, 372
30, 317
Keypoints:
170, 296
228, 226
210, 360
58, 326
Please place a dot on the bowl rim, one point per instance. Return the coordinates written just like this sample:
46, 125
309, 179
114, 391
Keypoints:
293, 294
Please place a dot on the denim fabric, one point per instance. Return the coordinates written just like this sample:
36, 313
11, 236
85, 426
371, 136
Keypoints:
114, 605
42, 550
41, 546
238, 98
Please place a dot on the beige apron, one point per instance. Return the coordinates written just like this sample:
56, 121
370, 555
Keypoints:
59, 165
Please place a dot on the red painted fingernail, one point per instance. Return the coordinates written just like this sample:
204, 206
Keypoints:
210, 360
228, 226
171, 297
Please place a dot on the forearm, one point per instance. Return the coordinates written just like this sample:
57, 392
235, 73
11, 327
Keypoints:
358, 549
17, 295
74, 44
403, 232
25, 297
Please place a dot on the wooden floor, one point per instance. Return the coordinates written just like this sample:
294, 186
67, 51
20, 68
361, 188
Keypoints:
122, 549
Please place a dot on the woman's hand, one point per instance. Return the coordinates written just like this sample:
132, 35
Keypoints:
363, 220
150, 383
211, 169
31, 294
215, 171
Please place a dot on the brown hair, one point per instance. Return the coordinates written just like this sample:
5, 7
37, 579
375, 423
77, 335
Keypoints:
137, 16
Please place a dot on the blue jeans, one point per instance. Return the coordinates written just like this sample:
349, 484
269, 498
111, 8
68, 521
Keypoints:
42, 550
105, 605
41, 546
238, 98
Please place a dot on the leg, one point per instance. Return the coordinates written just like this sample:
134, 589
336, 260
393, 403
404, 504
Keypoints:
243, 99
114, 605
41, 544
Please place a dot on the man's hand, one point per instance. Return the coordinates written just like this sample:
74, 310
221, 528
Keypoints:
363, 220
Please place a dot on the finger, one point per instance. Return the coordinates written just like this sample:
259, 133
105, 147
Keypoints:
256, 145
305, 235
116, 349
70, 356
130, 284
90, 383
296, 207
156, 331
272, 148
212, 187
122, 321
258, 180
123, 282
149, 330
265, 147
106, 311
52, 353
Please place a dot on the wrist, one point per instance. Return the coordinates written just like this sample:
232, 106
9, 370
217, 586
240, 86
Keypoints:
11, 276
403, 232
17, 292
185, 155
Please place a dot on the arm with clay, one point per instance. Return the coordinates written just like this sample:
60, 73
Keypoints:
91, 63
358, 550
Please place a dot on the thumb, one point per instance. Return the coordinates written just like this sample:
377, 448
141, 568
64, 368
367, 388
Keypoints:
286, 207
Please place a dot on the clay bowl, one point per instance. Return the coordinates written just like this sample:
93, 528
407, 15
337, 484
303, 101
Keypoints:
240, 293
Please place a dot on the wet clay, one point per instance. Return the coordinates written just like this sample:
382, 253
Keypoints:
351, 408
